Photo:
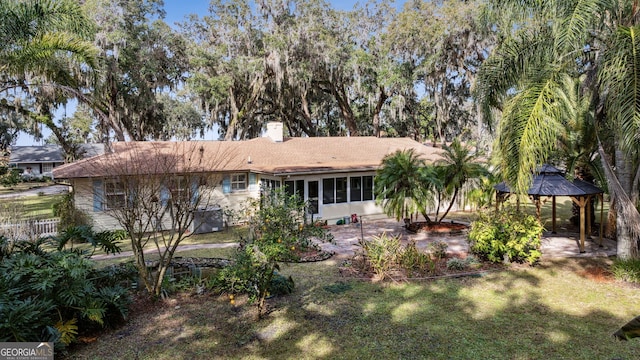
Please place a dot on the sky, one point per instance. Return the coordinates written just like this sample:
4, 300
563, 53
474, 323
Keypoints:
177, 11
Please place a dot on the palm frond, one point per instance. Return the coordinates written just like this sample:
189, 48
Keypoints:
576, 16
528, 132
510, 65
620, 78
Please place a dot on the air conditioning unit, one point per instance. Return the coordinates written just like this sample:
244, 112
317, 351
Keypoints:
207, 220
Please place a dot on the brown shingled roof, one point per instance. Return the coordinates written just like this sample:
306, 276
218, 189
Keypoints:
293, 155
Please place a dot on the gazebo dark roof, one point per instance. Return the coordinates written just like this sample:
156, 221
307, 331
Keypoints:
550, 181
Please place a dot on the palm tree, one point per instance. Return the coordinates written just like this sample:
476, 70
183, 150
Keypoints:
404, 185
44, 48
458, 165
40, 37
543, 42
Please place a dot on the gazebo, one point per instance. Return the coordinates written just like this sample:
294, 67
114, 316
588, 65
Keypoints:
551, 182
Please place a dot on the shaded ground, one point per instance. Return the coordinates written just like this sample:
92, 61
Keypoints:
561, 309
347, 238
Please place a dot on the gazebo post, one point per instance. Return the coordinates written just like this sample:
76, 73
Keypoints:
581, 203
553, 215
588, 205
601, 197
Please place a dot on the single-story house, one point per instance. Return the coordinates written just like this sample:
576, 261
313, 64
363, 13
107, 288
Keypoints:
334, 174
37, 161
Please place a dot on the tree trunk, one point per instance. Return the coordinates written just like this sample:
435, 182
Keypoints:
345, 109
376, 112
453, 199
627, 245
233, 122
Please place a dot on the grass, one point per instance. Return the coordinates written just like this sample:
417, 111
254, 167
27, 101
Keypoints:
33, 206
230, 236
225, 253
553, 311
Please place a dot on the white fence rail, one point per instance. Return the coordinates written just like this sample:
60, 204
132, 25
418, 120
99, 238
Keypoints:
30, 229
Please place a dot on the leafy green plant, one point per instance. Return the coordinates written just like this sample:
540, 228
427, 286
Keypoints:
11, 178
278, 231
511, 234
281, 285
456, 264
383, 252
54, 295
109, 240
626, 270
70, 215
438, 249
412, 259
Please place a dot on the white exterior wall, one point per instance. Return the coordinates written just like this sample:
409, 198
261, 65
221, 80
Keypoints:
236, 201
102, 220
337, 211
83, 196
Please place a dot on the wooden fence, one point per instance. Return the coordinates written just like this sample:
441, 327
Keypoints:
30, 229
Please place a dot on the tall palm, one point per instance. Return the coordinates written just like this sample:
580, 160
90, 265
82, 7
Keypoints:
404, 185
40, 37
459, 165
44, 48
544, 41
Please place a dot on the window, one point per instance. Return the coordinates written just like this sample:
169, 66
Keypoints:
179, 189
341, 190
238, 182
356, 189
361, 188
367, 188
328, 188
334, 190
47, 167
115, 196
294, 188
269, 184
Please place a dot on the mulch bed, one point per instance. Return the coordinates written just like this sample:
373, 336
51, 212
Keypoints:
357, 268
443, 228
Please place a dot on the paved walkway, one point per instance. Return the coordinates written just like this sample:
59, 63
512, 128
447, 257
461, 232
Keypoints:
560, 245
553, 245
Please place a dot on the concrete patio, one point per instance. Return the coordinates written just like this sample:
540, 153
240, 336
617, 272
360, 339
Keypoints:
561, 245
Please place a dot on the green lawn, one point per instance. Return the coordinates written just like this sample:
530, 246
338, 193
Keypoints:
225, 253
33, 206
552, 311
229, 236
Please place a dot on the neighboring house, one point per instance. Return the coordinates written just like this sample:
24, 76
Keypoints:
334, 174
37, 161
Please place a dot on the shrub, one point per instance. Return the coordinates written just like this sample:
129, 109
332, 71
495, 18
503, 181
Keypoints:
456, 264
278, 231
515, 235
382, 253
11, 178
281, 285
412, 259
52, 296
472, 261
627, 270
70, 215
438, 249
